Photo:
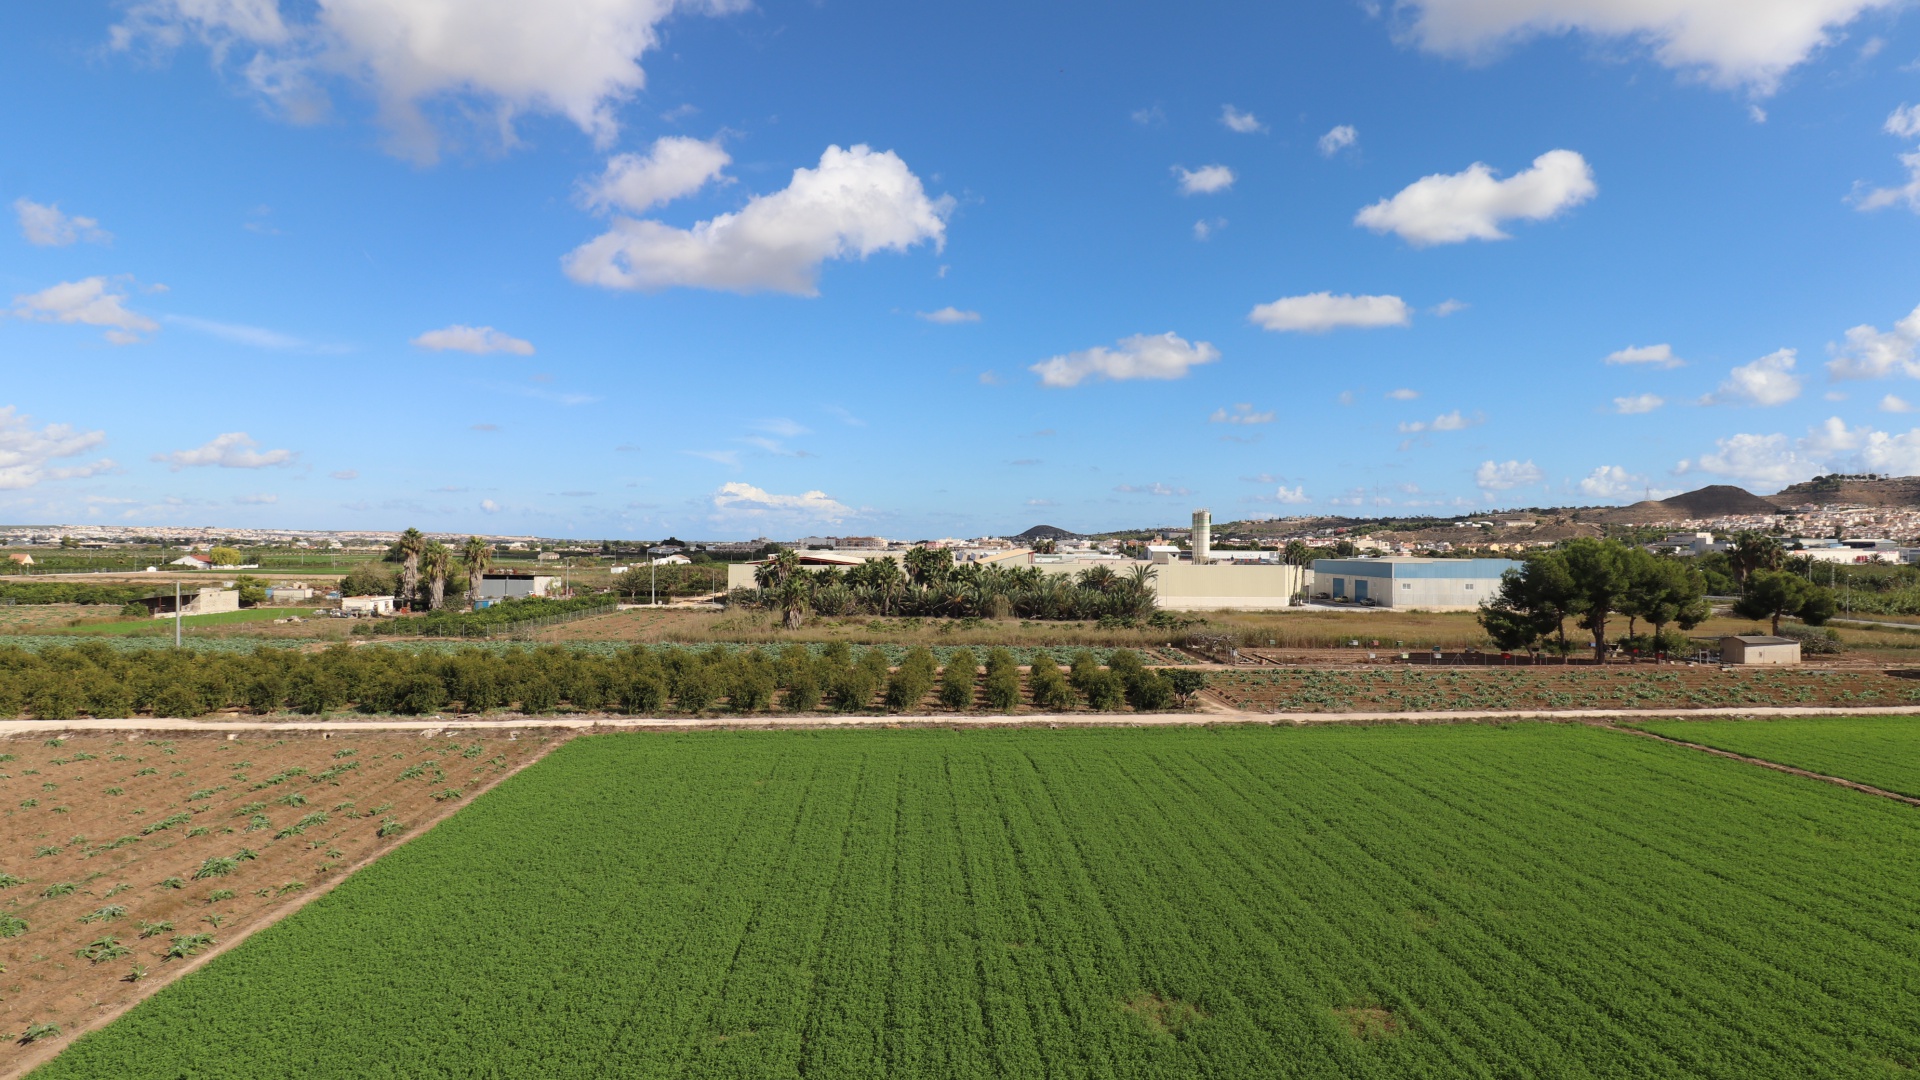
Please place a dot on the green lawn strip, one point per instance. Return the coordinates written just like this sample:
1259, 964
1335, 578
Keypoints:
1879, 751
1528, 899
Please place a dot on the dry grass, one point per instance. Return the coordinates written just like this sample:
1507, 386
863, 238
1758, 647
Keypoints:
1163, 1016
1368, 1022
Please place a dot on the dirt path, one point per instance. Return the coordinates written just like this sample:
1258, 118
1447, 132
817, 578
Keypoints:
1208, 712
1774, 765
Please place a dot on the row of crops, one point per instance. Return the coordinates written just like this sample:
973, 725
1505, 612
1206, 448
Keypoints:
96, 680
1534, 900
1405, 688
507, 616
1881, 751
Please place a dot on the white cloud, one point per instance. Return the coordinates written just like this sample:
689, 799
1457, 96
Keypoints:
1903, 123
1449, 307
256, 500
1638, 403
1750, 43
745, 500
1338, 139
1612, 482
1891, 404
1142, 356
1402, 394
675, 166
1909, 192
1152, 489
1149, 117
1291, 496
1759, 459
47, 226
855, 203
233, 450
1653, 355
1767, 381
1756, 114
490, 60
1204, 229
1317, 313
1205, 180
28, 454
257, 336
1506, 475
345, 474
478, 340
1242, 414
1243, 122
1870, 354
1471, 205
1451, 421
488, 506
88, 302
948, 316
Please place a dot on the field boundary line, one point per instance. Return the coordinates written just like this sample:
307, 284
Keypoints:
30, 1060
1765, 764
1194, 718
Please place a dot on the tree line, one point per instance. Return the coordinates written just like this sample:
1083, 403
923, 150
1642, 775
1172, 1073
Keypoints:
1590, 582
95, 680
927, 582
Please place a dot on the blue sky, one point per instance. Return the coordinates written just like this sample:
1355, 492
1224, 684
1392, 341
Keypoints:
626, 268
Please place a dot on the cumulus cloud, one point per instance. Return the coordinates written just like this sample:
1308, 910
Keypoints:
1471, 205
1767, 381
1338, 139
1904, 122
1908, 193
1317, 313
1152, 489
948, 316
1870, 354
1731, 43
1449, 307
1893, 404
1205, 180
87, 302
856, 202
29, 454
1506, 475
1243, 122
488, 506
1204, 229
1450, 421
48, 226
1291, 496
1651, 355
1142, 356
233, 450
262, 499
1759, 459
478, 340
1612, 482
673, 167
1638, 403
492, 60
1402, 394
345, 474
745, 500
1242, 414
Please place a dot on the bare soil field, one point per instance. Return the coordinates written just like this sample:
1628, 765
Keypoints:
1453, 689
125, 860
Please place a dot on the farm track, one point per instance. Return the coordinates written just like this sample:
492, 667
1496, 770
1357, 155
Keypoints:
41, 1052
1774, 765
1210, 713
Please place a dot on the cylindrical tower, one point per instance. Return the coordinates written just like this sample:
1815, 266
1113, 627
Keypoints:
1202, 537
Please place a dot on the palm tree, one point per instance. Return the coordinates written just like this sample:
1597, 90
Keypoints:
793, 596
411, 544
438, 559
1754, 551
779, 566
476, 555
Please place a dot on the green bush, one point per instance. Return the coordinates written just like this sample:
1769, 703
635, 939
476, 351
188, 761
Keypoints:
1003, 682
957, 680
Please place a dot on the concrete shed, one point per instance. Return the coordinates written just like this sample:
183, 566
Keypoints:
1401, 582
1757, 649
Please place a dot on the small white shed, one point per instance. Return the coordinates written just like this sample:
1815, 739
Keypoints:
1758, 649
367, 605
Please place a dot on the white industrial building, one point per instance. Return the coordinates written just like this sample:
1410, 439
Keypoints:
1426, 584
512, 585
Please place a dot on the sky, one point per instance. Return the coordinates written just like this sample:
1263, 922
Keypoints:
739, 268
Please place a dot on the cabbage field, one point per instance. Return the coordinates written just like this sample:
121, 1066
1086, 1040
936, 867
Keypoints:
1880, 751
1467, 901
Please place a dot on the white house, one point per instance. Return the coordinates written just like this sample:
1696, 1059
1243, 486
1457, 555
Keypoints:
367, 605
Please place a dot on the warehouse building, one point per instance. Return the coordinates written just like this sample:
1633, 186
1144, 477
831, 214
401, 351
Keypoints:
1426, 584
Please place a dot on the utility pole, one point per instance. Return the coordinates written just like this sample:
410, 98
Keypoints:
653, 574
176, 614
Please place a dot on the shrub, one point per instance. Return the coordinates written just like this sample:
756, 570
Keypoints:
12, 926
1047, 687
907, 687
1105, 691
180, 701
1003, 682
957, 681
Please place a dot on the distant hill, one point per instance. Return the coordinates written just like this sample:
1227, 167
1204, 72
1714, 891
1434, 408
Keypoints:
1714, 500
1861, 490
1045, 532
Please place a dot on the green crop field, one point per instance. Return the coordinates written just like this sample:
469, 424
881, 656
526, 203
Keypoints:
164, 627
1883, 751
1519, 901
